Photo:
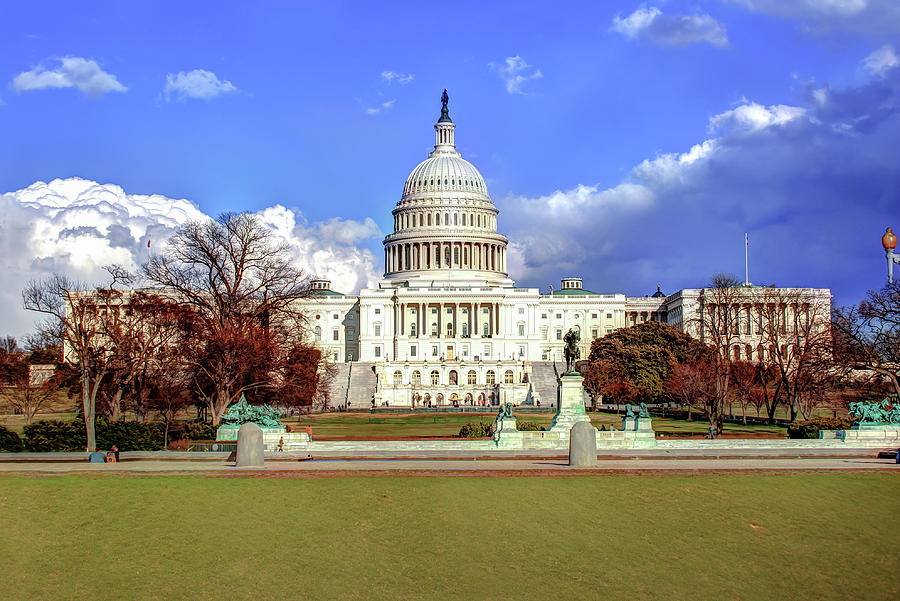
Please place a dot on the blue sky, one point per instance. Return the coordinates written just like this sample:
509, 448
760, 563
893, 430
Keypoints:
631, 143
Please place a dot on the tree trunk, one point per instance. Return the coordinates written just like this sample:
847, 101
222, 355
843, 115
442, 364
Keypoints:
744, 412
88, 411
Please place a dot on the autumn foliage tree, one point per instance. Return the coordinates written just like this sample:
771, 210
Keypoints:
74, 317
242, 288
633, 363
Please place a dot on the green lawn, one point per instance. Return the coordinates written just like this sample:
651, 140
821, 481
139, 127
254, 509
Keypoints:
743, 536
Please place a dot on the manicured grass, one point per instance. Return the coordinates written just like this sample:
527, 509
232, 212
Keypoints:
744, 536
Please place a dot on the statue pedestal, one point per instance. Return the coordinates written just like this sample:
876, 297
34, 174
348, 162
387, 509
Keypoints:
505, 432
570, 410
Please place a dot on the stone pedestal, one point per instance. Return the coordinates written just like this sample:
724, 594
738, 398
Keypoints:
505, 432
250, 446
570, 409
628, 424
583, 445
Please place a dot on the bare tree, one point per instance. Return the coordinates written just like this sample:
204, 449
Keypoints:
243, 289
867, 337
74, 314
795, 342
694, 384
718, 324
24, 391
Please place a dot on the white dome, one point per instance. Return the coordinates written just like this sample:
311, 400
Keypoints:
445, 173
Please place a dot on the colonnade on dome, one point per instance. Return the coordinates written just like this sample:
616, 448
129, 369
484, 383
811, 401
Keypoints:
442, 255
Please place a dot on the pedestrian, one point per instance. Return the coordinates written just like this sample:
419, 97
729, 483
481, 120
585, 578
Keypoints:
281, 444
309, 433
712, 431
115, 451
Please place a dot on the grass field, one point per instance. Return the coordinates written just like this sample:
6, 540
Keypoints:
743, 536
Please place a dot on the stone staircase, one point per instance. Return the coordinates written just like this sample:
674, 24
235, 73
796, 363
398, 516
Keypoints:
544, 381
362, 385
339, 384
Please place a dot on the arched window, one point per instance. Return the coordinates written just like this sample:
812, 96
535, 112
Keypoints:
434, 330
455, 218
447, 257
485, 329
465, 330
435, 377
508, 377
449, 330
456, 255
471, 378
437, 218
479, 220
437, 255
398, 378
429, 218
489, 377
318, 331
454, 378
464, 219
412, 329
416, 378
446, 218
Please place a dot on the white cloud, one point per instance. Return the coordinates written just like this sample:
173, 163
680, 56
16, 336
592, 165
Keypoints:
380, 108
76, 226
392, 76
754, 117
198, 83
515, 72
72, 72
671, 30
818, 16
881, 61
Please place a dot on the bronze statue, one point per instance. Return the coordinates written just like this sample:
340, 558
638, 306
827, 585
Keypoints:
572, 353
445, 112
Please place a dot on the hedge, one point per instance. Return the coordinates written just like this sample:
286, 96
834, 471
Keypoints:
55, 435
477, 430
10, 441
809, 428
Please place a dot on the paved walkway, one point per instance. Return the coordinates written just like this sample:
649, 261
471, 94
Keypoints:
524, 466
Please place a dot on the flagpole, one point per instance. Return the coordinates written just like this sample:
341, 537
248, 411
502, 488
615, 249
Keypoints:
746, 258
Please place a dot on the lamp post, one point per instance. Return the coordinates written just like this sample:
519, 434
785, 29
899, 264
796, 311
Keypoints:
889, 242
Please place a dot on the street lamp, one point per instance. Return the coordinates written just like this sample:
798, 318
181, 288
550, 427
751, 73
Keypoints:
889, 242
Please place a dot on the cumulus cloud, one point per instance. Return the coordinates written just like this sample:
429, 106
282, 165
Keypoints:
77, 227
881, 61
200, 84
812, 183
384, 106
821, 16
672, 30
515, 72
70, 72
392, 76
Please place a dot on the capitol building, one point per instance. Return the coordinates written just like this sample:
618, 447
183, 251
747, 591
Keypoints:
446, 324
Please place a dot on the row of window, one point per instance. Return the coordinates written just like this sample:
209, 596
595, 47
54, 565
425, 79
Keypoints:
404, 221
447, 182
453, 378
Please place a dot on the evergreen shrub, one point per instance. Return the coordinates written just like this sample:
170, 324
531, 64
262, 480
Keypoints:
10, 441
809, 428
477, 430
